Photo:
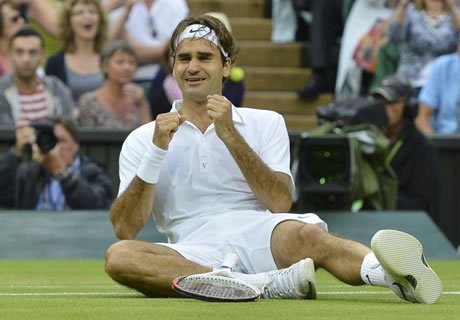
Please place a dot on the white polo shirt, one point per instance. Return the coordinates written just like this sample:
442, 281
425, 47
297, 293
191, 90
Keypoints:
199, 178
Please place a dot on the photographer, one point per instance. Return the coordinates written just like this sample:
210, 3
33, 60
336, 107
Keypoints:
45, 171
411, 155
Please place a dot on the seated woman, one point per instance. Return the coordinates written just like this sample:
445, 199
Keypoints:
83, 26
119, 103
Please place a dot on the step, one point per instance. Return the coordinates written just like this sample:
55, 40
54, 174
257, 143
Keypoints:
266, 53
275, 78
284, 102
232, 8
251, 28
299, 123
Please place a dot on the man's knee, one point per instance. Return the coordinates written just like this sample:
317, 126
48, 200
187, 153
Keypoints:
314, 240
116, 258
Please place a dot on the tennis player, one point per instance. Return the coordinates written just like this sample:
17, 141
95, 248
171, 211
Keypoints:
216, 179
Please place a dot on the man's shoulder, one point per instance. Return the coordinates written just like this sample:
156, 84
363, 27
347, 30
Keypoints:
257, 112
5, 82
55, 84
445, 61
256, 115
142, 134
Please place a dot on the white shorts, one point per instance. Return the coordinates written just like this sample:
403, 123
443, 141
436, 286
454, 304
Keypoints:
245, 233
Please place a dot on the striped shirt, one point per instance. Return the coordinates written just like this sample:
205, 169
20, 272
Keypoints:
33, 106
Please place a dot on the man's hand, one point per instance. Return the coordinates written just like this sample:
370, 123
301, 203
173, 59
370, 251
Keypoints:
51, 161
165, 127
24, 134
220, 111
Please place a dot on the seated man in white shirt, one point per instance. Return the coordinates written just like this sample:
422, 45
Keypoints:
216, 179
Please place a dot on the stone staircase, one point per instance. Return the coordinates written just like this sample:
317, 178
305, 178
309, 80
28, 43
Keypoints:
273, 72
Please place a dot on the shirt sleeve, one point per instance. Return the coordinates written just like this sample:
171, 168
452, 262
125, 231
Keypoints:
430, 94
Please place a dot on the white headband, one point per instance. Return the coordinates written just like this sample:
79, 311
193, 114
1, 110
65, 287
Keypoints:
200, 31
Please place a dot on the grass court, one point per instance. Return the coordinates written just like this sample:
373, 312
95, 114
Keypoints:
80, 289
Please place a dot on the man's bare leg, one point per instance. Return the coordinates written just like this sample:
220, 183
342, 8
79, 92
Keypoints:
292, 241
148, 268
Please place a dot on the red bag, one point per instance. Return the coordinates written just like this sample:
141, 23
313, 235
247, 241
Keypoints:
366, 52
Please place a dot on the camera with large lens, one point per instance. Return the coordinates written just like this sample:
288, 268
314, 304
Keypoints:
44, 135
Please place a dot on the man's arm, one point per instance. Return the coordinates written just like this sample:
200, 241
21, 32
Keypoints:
148, 53
273, 189
131, 210
43, 12
423, 120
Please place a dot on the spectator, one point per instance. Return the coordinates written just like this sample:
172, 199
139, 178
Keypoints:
25, 96
83, 28
326, 27
362, 16
57, 179
42, 12
10, 22
119, 103
14, 14
439, 100
148, 27
424, 30
411, 155
217, 180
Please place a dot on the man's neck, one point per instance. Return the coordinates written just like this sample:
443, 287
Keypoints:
196, 113
26, 85
149, 3
394, 132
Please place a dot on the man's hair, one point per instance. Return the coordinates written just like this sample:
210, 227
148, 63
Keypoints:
226, 39
68, 124
67, 35
28, 32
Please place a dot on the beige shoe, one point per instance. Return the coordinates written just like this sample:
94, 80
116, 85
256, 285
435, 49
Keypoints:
406, 270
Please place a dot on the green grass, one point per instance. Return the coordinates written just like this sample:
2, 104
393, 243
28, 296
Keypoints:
79, 289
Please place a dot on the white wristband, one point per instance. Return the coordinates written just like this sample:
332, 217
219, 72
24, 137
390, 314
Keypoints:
150, 167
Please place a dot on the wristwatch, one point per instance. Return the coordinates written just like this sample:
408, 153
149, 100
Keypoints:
62, 174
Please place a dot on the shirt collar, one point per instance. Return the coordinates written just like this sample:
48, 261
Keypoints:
237, 117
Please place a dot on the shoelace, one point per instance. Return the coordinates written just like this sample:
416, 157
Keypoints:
278, 287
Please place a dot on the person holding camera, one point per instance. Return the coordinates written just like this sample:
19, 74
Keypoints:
23, 94
45, 170
411, 155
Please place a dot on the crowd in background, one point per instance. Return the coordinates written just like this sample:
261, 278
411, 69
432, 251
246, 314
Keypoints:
105, 64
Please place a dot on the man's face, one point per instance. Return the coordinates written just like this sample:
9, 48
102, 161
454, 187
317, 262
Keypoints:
395, 112
198, 69
27, 54
68, 147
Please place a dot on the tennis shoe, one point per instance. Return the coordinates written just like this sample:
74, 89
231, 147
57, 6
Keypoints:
295, 282
407, 272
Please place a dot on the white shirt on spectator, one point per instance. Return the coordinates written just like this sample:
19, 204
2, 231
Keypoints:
152, 27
